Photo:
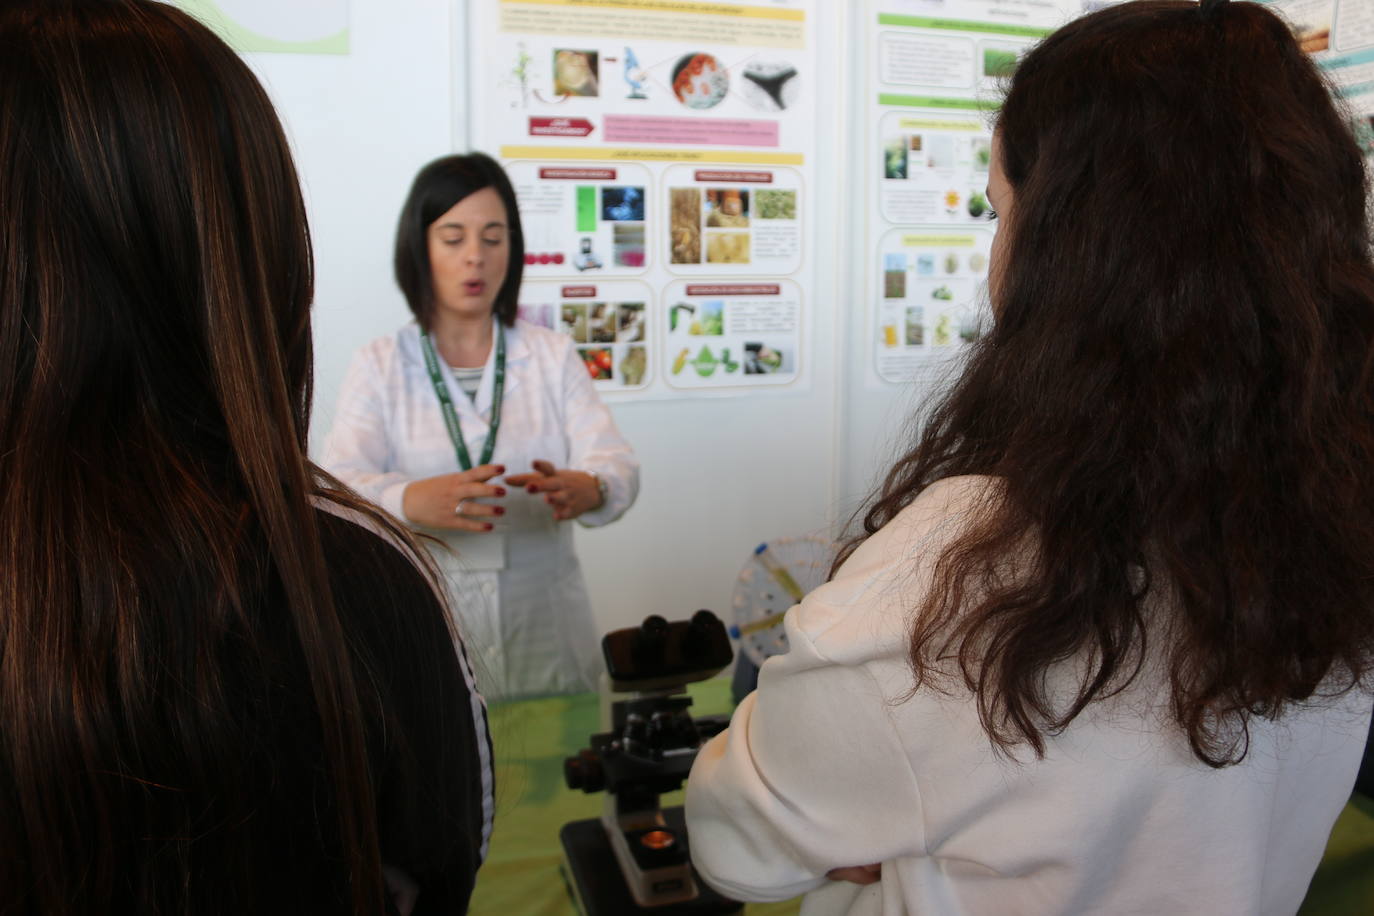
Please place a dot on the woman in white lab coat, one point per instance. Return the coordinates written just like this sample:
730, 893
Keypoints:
486, 432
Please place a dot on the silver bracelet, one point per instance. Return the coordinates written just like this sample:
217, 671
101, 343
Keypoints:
601, 488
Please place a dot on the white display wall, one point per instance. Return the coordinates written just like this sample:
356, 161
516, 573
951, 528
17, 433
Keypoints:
806, 205
722, 469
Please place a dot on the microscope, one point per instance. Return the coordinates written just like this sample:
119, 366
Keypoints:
635, 858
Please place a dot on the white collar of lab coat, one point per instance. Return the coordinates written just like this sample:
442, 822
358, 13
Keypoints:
473, 413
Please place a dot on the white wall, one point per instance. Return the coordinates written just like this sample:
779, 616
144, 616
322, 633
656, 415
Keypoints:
361, 125
720, 474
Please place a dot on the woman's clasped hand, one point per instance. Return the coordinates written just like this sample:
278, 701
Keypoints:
469, 500
568, 492
453, 501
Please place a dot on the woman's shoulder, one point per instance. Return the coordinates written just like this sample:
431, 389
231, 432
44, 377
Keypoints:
938, 513
864, 611
539, 340
389, 351
345, 527
377, 579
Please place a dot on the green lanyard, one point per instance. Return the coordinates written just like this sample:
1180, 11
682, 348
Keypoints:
455, 432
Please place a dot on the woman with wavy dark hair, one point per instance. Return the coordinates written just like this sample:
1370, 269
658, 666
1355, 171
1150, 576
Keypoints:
1105, 643
226, 685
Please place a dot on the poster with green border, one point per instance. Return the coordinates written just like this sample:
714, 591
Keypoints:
297, 27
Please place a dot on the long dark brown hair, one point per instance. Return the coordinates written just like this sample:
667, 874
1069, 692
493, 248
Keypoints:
1177, 397
155, 387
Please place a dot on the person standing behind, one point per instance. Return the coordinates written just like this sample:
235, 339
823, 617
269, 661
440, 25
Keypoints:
1106, 641
486, 431
226, 685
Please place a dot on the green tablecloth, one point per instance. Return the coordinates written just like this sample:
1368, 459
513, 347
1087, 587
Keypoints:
521, 877
1344, 883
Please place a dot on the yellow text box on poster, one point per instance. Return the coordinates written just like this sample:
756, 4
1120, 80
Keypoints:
608, 154
657, 20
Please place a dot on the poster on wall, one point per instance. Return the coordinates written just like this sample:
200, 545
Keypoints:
662, 152
1339, 34
297, 27
934, 74
935, 69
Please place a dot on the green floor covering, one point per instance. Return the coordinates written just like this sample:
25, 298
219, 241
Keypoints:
521, 877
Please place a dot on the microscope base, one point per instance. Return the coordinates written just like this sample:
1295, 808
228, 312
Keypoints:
598, 888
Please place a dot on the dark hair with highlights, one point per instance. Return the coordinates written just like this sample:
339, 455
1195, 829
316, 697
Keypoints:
155, 386
1177, 397
436, 189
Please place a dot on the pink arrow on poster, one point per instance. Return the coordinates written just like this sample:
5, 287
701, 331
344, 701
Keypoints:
560, 127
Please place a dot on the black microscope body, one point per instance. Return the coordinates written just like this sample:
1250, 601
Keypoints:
635, 857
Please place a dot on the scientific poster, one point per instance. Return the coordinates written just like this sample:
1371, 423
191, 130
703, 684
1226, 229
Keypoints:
670, 143
1339, 34
297, 27
935, 68
933, 82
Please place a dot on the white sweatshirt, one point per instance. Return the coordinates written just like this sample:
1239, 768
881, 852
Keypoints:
826, 766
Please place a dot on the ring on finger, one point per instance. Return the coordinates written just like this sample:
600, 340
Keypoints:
458, 509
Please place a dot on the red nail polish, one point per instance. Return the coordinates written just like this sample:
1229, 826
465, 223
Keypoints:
500, 469
500, 510
531, 489
488, 526
501, 491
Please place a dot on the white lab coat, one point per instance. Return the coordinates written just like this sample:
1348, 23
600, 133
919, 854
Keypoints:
518, 595
832, 763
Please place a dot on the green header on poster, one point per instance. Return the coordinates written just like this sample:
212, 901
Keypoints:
961, 25
922, 101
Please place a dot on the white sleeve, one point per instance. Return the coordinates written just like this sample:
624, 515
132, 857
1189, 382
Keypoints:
809, 776
357, 450
812, 773
595, 444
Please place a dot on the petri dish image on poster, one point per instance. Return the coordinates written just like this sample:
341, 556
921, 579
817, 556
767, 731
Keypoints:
700, 81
